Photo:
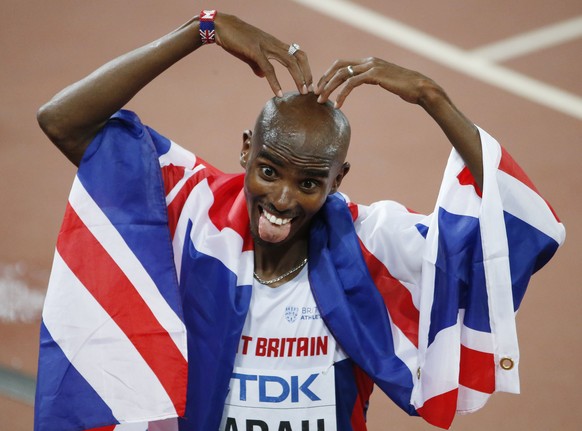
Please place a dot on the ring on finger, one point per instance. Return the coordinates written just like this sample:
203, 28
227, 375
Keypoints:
293, 48
351, 70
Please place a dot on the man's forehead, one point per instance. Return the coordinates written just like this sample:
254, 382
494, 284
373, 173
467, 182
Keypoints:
295, 145
298, 123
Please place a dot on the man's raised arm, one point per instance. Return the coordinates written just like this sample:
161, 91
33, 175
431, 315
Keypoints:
74, 116
412, 87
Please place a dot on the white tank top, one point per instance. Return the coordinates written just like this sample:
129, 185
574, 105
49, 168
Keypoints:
284, 374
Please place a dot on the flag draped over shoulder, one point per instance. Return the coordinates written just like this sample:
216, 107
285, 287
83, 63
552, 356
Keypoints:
452, 298
153, 268
113, 340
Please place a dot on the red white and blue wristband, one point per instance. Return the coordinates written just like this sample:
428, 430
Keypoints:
207, 33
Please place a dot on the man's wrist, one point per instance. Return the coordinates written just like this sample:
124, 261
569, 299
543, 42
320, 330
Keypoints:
431, 96
207, 30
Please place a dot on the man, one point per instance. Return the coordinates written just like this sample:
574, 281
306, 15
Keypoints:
282, 286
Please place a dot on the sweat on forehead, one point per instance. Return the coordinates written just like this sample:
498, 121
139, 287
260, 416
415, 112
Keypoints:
296, 115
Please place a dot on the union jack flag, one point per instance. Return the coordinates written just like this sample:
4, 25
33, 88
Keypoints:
152, 279
207, 33
207, 36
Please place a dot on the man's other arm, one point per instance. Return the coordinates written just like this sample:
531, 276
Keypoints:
412, 87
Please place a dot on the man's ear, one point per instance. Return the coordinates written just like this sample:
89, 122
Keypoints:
339, 177
246, 148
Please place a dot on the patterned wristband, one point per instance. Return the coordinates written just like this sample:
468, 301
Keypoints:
207, 26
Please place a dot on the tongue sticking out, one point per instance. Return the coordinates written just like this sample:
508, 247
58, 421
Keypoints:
272, 232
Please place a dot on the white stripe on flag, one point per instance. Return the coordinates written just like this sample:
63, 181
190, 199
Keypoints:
178, 156
461, 199
470, 400
176, 189
476, 340
528, 206
161, 425
440, 370
114, 244
404, 349
79, 325
387, 229
497, 270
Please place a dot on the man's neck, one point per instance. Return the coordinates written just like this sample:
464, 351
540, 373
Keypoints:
272, 261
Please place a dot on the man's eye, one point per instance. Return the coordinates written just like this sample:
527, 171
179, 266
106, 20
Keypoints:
267, 171
308, 184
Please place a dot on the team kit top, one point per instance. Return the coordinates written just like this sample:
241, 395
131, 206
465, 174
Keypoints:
153, 313
284, 367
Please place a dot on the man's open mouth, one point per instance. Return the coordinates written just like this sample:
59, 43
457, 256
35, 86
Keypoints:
272, 228
274, 219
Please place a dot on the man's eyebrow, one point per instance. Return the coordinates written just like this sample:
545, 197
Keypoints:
270, 157
317, 173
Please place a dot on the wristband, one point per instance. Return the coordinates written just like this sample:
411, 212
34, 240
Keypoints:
207, 33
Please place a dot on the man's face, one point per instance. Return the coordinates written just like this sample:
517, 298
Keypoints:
288, 179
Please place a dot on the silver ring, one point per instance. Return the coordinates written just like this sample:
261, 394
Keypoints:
293, 48
351, 70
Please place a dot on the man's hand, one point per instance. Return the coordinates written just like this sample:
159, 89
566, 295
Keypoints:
407, 84
257, 49
412, 87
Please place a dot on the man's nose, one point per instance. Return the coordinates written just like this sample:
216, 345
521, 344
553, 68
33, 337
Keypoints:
284, 198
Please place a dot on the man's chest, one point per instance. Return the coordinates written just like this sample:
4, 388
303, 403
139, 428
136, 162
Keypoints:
284, 376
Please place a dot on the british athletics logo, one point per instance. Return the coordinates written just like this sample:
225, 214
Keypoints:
291, 313
307, 313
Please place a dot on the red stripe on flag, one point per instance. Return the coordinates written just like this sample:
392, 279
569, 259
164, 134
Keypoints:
107, 428
172, 175
510, 167
397, 298
353, 210
440, 410
477, 370
365, 386
103, 278
177, 204
229, 193
466, 178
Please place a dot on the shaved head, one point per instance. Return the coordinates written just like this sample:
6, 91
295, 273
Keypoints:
293, 161
298, 120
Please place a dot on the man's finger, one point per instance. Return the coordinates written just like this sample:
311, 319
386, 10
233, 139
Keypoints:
341, 75
269, 73
338, 70
329, 73
292, 65
303, 63
351, 83
298, 66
